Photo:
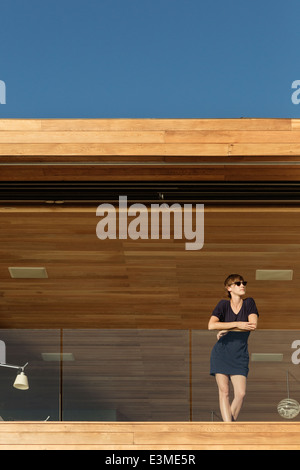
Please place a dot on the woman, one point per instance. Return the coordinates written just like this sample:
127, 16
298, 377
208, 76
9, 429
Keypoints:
235, 319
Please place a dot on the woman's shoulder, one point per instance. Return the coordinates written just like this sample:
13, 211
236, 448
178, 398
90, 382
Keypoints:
250, 306
221, 305
220, 309
223, 302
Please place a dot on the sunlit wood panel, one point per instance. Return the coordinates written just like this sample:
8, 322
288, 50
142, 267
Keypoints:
145, 149
146, 436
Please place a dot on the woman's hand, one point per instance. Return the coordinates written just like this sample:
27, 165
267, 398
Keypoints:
222, 333
246, 325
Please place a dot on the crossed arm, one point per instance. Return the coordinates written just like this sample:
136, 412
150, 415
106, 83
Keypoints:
224, 327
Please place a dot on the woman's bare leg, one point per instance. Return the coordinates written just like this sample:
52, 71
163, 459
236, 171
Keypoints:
239, 387
223, 386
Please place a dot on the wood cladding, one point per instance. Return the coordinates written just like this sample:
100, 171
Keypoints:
144, 283
149, 149
149, 436
153, 284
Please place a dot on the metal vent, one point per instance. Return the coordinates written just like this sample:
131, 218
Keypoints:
52, 192
28, 273
266, 357
274, 275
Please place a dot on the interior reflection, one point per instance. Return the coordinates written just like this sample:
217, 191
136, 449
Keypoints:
141, 375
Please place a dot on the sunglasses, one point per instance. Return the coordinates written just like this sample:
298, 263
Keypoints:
238, 283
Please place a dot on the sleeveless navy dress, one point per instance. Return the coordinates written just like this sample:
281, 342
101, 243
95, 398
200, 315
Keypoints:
230, 354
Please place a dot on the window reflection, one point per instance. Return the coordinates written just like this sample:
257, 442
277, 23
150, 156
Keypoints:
140, 375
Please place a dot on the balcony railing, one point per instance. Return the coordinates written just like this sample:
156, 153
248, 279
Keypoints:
139, 375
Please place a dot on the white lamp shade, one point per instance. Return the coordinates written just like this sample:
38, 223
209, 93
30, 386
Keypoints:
21, 382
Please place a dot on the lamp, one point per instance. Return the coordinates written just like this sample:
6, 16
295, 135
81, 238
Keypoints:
288, 408
21, 382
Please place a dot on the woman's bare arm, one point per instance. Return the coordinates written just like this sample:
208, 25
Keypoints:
215, 324
253, 318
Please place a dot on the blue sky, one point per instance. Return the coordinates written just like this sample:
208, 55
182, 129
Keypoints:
149, 58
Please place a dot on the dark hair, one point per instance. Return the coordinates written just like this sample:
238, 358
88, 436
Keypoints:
230, 280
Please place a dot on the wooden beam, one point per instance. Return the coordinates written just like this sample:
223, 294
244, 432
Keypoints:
150, 436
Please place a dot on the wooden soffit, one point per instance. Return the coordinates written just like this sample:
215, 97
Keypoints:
150, 150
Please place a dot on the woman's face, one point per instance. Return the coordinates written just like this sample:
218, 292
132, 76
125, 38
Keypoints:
237, 289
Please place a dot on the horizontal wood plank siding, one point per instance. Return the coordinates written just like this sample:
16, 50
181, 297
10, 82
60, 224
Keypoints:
149, 436
51, 148
109, 283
